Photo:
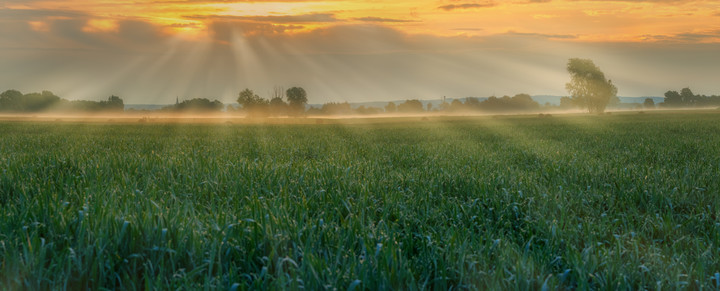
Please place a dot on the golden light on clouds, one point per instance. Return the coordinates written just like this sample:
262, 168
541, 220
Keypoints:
39, 26
354, 50
583, 20
101, 25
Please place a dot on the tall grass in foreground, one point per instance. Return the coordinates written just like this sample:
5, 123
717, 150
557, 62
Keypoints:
592, 202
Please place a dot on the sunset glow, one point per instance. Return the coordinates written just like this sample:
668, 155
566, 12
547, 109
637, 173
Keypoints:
479, 45
685, 21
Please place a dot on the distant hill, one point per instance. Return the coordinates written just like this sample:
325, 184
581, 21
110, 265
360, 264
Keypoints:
555, 100
541, 99
641, 99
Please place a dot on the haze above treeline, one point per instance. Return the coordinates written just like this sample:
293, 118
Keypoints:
278, 104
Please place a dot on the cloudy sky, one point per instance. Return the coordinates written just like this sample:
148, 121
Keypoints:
152, 51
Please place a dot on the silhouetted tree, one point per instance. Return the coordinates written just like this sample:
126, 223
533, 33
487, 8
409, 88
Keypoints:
410, 106
278, 106
457, 105
390, 107
14, 101
472, 103
297, 98
523, 102
649, 103
197, 105
333, 108
493, 104
687, 97
277, 92
11, 100
444, 105
253, 104
588, 86
35, 102
519, 102
368, 110
673, 99
114, 103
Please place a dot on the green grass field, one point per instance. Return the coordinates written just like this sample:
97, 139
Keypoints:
588, 202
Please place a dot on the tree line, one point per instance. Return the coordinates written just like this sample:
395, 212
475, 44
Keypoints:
686, 98
195, 105
255, 106
290, 102
16, 101
588, 88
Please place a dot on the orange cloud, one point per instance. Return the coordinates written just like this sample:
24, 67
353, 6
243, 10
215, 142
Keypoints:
596, 21
450, 7
39, 26
101, 25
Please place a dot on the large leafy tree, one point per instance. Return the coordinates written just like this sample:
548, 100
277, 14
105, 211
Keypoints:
278, 106
199, 105
685, 98
673, 98
114, 103
588, 86
11, 100
297, 97
688, 97
36, 102
390, 107
252, 103
649, 103
410, 106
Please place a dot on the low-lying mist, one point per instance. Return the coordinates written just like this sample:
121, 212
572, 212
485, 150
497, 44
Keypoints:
235, 118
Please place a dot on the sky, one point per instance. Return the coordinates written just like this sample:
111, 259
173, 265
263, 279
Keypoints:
154, 51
